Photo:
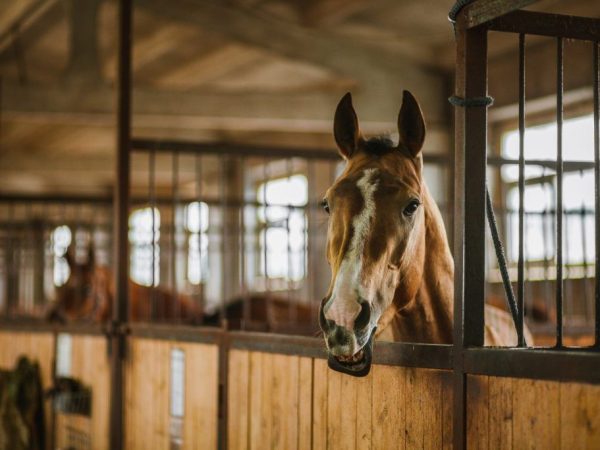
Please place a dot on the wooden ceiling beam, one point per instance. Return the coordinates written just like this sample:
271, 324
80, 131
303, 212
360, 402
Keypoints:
84, 64
252, 110
381, 73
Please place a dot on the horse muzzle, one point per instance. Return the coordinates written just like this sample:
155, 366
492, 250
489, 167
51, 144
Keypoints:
357, 365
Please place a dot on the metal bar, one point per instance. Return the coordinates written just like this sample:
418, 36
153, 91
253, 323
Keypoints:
244, 287
289, 283
559, 192
521, 280
481, 12
121, 212
224, 232
597, 190
542, 364
469, 235
545, 24
568, 166
218, 148
173, 249
198, 174
152, 195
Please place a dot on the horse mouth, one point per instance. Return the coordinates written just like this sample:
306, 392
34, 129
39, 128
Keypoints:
357, 365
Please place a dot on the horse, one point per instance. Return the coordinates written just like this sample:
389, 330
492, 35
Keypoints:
392, 273
88, 295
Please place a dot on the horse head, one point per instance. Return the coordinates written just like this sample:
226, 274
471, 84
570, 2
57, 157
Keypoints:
375, 238
86, 293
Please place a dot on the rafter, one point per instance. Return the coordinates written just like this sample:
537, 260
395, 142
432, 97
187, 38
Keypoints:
381, 73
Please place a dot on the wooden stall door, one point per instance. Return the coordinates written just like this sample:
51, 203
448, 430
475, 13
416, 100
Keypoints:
147, 404
290, 402
512, 413
89, 365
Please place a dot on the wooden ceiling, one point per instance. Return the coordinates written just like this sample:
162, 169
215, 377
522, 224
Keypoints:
254, 71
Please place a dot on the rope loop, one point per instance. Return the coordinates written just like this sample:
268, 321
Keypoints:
460, 4
472, 101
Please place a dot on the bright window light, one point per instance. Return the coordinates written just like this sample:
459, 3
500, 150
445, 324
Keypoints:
61, 239
142, 239
196, 224
540, 192
283, 236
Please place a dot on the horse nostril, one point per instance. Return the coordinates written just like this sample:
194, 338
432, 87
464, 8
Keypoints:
364, 316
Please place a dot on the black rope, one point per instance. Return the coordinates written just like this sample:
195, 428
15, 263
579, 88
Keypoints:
501, 257
460, 4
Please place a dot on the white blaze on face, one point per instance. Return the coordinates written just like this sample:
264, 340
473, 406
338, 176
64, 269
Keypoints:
343, 306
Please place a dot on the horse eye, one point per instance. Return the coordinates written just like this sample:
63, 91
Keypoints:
325, 205
412, 207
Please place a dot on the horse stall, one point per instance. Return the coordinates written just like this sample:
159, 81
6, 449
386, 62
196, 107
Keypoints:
185, 309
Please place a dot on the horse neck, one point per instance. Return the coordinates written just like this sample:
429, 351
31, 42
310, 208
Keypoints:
428, 317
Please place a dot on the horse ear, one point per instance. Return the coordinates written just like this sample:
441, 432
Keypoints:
411, 125
345, 127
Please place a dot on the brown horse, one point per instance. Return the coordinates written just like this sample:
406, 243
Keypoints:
392, 270
88, 296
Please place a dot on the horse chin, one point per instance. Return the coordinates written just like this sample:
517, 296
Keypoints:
357, 365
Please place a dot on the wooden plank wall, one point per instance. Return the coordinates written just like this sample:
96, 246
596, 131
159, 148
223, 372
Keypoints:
147, 407
89, 364
532, 414
291, 402
37, 346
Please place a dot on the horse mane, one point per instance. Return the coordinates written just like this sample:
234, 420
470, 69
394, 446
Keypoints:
378, 145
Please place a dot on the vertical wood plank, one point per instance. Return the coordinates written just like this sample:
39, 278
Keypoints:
305, 407
536, 414
364, 405
477, 412
348, 418
447, 394
267, 399
201, 396
388, 413
320, 395
334, 409
284, 401
580, 416
429, 384
500, 413
256, 399
237, 409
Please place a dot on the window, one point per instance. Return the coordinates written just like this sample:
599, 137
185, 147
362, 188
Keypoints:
143, 239
61, 239
196, 225
282, 228
540, 193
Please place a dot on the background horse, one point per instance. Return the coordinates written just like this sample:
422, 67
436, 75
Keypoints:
88, 295
392, 270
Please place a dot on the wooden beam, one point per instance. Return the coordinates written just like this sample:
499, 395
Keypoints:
294, 111
83, 65
382, 72
483, 11
30, 26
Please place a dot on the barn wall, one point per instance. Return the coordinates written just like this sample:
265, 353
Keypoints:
37, 346
531, 414
295, 402
90, 365
147, 401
